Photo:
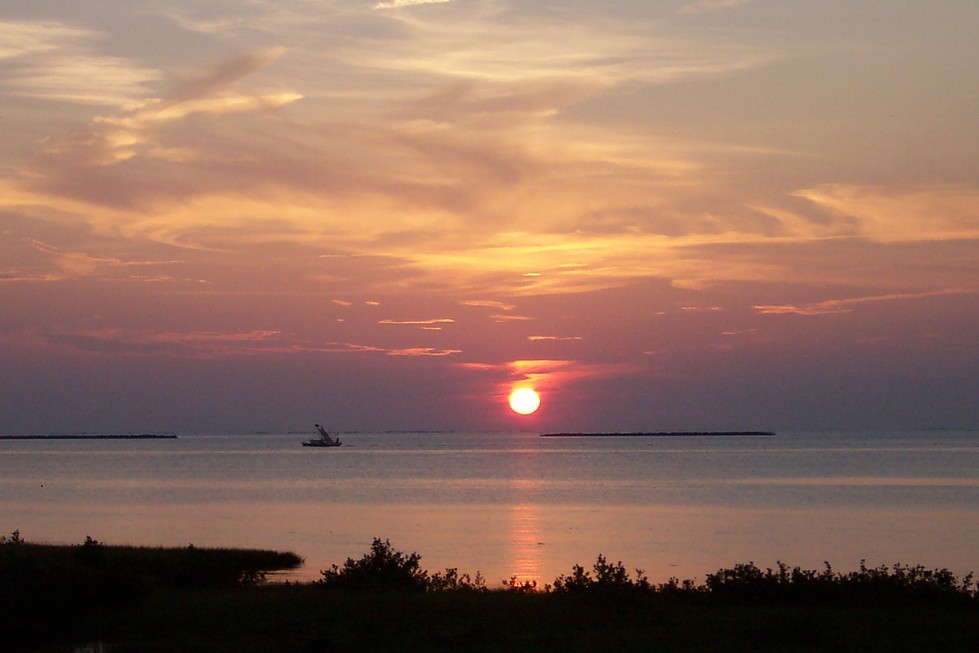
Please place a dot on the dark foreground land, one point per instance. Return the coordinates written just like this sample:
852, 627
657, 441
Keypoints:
126, 599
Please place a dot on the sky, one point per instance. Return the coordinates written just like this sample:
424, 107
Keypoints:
251, 215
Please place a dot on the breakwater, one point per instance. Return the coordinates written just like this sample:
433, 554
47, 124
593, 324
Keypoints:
91, 436
653, 434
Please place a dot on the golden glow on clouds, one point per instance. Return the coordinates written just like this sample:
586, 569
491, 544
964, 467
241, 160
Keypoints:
892, 215
546, 375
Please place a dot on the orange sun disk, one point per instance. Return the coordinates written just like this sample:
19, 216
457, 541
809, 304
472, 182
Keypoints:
524, 401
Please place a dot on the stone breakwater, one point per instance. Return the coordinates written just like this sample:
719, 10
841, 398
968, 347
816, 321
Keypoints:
651, 434
91, 436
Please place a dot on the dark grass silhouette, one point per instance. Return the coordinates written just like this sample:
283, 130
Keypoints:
49, 593
150, 600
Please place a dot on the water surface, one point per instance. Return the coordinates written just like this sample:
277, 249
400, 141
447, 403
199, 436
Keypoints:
516, 504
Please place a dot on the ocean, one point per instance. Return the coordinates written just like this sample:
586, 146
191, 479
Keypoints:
516, 504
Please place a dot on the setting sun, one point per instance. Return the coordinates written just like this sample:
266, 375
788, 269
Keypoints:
524, 401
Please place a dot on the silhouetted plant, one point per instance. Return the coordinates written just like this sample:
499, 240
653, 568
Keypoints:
674, 586
608, 577
90, 551
902, 583
744, 580
879, 585
383, 568
13, 539
517, 586
578, 580
452, 580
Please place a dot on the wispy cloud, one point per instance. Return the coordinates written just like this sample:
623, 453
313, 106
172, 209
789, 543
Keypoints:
134, 154
701, 6
937, 212
57, 61
223, 75
388, 351
546, 375
486, 303
80, 264
831, 306
194, 344
127, 133
399, 4
216, 344
510, 317
431, 322
423, 351
17, 276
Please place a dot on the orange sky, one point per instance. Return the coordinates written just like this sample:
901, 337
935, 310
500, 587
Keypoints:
691, 214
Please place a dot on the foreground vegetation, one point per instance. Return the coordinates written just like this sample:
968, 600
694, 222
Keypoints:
138, 599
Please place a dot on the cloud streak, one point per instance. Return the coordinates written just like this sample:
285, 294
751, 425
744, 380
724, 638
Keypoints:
833, 306
431, 322
903, 214
703, 6
59, 62
80, 264
401, 4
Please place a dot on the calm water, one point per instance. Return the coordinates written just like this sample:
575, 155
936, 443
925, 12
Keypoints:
516, 504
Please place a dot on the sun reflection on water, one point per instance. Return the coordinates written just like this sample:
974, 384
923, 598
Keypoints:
525, 533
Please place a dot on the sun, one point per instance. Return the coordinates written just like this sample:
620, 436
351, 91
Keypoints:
524, 401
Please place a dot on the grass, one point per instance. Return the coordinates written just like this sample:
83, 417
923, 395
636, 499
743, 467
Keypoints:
207, 600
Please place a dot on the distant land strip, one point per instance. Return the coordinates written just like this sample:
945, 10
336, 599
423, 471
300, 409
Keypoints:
91, 436
652, 434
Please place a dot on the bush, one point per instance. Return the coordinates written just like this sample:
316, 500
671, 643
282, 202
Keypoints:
452, 580
517, 586
383, 568
900, 585
608, 578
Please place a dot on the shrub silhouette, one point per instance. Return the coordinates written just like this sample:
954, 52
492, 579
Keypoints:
14, 538
883, 585
452, 580
608, 577
383, 568
517, 586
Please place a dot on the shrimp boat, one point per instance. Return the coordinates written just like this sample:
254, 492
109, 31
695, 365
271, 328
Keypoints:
325, 440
